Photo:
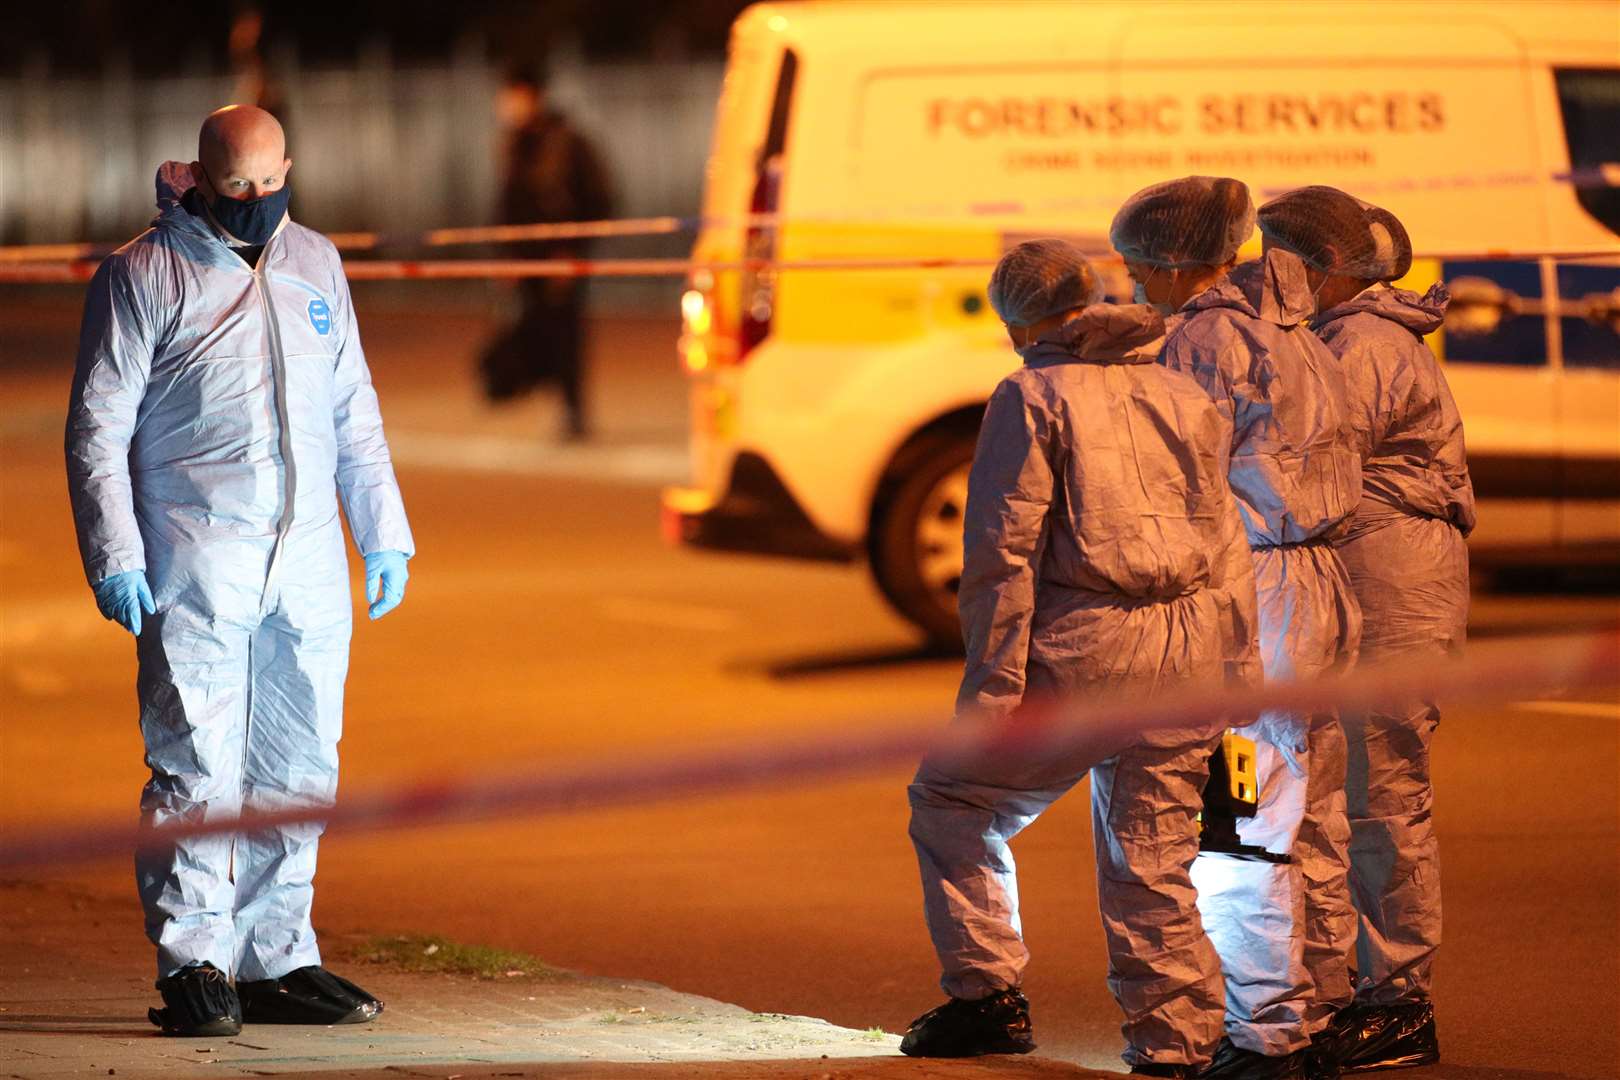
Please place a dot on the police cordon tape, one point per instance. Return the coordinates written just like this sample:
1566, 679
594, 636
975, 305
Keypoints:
510, 269
921, 216
369, 241
1082, 732
78, 272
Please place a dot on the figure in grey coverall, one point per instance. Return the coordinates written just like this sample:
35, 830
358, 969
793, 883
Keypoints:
1103, 551
1408, 564
1283, 929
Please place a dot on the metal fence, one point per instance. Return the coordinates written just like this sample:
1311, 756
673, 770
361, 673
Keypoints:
375, 146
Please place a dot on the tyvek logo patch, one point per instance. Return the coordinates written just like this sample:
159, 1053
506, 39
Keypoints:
320, 316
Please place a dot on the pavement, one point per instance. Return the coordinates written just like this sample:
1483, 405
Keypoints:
546, 625
73, 1004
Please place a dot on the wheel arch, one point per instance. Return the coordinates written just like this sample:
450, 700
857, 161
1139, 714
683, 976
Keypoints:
961, 422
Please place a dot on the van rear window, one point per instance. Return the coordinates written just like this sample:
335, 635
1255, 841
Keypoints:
781, 107
1590, 101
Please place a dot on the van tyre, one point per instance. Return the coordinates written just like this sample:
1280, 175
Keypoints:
916, 539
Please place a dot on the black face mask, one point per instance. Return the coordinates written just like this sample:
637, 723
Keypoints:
252, 221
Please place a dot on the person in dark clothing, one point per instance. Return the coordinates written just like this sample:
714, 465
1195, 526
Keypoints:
552, 173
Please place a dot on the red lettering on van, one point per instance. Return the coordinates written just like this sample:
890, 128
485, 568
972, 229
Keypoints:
1431, 112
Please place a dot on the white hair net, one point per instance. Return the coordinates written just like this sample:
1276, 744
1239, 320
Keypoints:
1041, 278
1194, 221
1336, 233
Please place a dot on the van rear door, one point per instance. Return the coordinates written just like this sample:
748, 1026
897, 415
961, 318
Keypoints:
713, 309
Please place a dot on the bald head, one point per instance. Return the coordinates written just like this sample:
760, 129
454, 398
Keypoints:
241, 154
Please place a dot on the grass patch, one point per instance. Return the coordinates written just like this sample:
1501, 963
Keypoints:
875, 1034
423, 953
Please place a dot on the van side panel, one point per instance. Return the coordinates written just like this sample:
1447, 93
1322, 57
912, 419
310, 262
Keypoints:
853, 417
1417, 135
947, 131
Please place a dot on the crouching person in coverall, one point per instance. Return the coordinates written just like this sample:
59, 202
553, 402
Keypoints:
1104, 553
221, 405
1281, 914
1408, 564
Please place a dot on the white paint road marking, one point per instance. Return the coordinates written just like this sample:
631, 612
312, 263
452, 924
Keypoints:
649, 463
1597, 710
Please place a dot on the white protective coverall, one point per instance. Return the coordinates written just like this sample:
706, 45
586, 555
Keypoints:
1296, 477
1103, 551
217, 413
1408, 564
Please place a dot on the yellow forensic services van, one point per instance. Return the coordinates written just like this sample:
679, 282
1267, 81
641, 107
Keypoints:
834, 410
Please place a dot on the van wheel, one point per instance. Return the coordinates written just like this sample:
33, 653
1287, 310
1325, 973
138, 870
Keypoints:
916, 540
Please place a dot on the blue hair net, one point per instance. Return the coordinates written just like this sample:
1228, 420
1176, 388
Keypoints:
1194, 221
1336, 233
1041, 278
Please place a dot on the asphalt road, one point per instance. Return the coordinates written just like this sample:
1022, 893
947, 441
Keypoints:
546, 624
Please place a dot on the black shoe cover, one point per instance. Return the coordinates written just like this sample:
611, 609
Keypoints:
1369, 1037
1232, 1062
198, 1001
998, 1024
310, 995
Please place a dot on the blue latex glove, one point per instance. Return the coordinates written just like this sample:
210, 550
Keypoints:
385, 581
123, 597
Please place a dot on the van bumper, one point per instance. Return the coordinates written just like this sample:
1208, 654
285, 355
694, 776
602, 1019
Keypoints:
756, 515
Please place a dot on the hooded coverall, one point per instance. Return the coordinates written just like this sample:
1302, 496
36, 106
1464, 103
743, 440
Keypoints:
1408, 564
1296, 477
1103, 551
217, 413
